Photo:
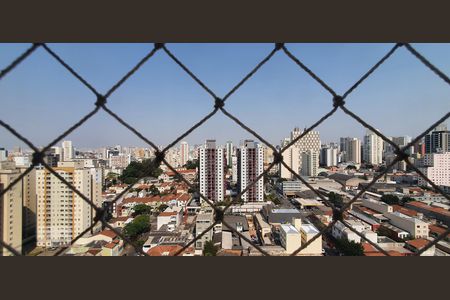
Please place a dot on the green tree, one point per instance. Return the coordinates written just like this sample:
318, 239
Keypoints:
336, 199
406, 199
139, 225
141, 209
191, 164
210, 249
154, 190
136, 170
349, 248
162, 207
390, 199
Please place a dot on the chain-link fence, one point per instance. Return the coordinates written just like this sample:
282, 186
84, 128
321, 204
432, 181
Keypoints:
337, 102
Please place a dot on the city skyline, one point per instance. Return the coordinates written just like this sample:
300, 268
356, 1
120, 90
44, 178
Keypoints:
41, 86
220, 142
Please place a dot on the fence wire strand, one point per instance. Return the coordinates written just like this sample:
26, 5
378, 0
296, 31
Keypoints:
337, 103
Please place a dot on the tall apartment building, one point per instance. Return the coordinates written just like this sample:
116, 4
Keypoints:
389, 154
10, 209
436, 166
329, 156
291, 158
184, 153
268, 155
28, 187
438, 140
310, 163
250, 165
212, 171
68, 151
3, 154
373, 148
234, 169
307, 144
229, 153
61, 213
351, 149
311, 141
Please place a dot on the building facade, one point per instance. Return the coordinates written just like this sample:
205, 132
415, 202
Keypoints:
212, 171
184, 153
68, 151
250, 166
61, 213
10, 209
373, 148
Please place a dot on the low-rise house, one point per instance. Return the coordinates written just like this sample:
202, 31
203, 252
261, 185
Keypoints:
153, 201
340, 231
113, 248
414, 226
170, 250
120, 222
171, 217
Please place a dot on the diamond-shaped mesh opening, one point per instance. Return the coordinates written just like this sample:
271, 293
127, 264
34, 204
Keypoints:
219, 215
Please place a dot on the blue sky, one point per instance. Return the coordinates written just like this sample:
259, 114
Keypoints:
41, 99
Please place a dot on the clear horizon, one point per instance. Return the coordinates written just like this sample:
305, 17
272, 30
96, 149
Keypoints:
41, 99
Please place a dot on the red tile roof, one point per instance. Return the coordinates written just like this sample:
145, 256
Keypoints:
94, 251
108, 233
418, 243
438, 210
112, 244
168, 250
370, 250
119, 219
167, 214
437, 229
162, 250
404, 210
157, 198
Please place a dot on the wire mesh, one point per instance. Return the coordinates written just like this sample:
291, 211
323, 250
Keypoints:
218, 104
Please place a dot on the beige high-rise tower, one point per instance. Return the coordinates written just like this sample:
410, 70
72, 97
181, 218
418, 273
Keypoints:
10, 209
61, 213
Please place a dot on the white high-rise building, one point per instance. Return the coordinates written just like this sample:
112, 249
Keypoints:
436, 166
234, 169
68, 151
310, 163
184, 153
329, 156
62, 214
229, 153
3, 154
309, 142
351, 149
212, 171
250, 165
373, 148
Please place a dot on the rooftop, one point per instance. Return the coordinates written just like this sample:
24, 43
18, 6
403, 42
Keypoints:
285, 211
418, 243
289, 229
310, 229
